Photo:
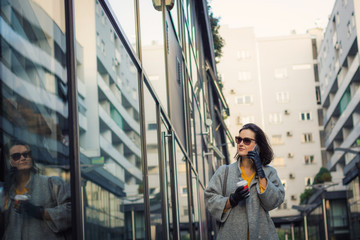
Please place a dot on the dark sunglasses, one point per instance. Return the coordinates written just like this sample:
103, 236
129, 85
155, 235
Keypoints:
245, 140
17, 156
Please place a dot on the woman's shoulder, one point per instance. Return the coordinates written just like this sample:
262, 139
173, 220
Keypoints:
54, 179
270, 169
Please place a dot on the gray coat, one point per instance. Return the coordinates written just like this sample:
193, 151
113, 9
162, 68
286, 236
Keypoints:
51, 193
252, 213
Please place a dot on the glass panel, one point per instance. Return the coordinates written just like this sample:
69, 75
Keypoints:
35, 201
174, 17
166, 159
111, 166
194, 74
182, 193
153, 166
203, 220
198, 139
153, 48
125, 12
192, 125
195, 213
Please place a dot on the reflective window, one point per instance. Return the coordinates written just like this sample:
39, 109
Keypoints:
111, 167
198, 139
153, 166
35, 199
195, 213
125, 13
174, 17
153, 48
166, 164
182, 198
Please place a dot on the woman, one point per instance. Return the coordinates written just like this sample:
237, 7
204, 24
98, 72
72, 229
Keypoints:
36, 206
243, 213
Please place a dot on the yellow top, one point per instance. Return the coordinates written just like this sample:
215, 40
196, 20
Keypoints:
250, 178
17, 192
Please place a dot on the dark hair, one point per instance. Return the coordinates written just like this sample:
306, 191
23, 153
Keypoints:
265, 150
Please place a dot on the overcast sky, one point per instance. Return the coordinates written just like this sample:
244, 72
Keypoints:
273, 17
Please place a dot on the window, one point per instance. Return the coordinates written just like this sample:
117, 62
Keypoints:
244, 76
301, 66
308, 181
307, 137
243, 54
275, 118
282, 97
241, 120
349, 29
183, 190
276, 139
283, 181
337, 18
244, 99
309, 159
305, 116
279, 162
280, 73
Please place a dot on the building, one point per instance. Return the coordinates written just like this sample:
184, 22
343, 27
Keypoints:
338, 60
121, 101
273, 82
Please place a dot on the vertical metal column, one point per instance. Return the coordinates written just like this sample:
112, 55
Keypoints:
306, 228
325, 219
74, 147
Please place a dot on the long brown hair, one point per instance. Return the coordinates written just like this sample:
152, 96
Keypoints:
265, 150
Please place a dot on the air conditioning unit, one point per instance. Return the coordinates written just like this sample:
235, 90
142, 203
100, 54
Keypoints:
286, 112
289, 133
293, 198
290, 155
291, 176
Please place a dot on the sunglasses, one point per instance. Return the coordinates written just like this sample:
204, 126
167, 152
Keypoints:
246, 141
17, 156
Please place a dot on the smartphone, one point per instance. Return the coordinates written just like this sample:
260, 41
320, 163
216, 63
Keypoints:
256, 148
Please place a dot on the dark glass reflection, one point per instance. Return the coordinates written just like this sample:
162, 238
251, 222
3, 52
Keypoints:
35, 201
110, 141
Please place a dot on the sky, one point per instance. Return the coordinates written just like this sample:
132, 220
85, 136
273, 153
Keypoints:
273, 17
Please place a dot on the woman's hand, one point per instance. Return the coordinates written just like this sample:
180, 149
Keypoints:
240, 193
258, 164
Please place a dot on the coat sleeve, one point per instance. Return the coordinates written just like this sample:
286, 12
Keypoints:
214, 199
274, 193
61, 213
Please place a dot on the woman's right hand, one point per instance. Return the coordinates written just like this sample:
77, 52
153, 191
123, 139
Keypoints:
240, 193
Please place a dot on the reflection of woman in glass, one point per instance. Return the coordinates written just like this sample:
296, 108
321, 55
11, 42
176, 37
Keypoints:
243, 210
36, 206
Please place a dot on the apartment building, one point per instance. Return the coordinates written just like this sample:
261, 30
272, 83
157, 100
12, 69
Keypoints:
338, 61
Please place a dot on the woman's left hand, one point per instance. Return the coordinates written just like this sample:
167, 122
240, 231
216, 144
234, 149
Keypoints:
258, 164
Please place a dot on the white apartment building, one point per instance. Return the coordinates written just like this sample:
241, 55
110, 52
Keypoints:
339, 81
271, 82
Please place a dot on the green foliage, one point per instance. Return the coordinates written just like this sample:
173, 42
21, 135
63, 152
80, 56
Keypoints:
219, 42
322, 176
306, 195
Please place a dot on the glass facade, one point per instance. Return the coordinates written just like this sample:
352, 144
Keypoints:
134, 160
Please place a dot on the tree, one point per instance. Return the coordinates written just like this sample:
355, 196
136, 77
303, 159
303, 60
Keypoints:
219, 42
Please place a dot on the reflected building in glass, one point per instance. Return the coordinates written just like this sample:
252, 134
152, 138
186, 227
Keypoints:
112, 99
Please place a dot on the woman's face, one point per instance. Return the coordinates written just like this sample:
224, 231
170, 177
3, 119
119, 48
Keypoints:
20, 157
249, 136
